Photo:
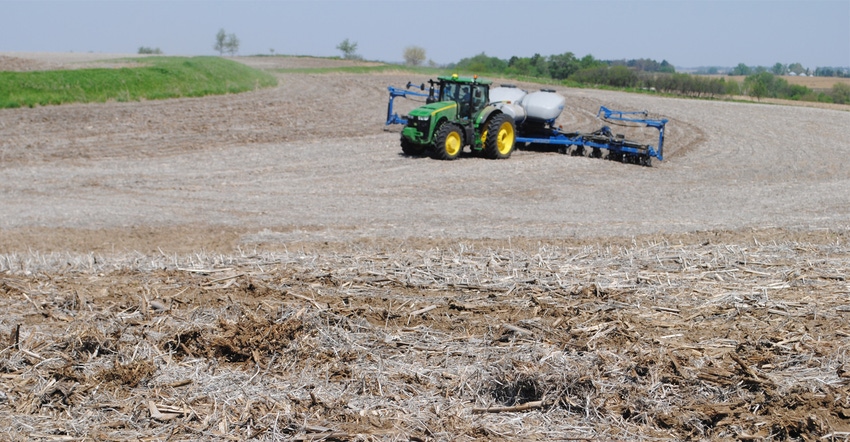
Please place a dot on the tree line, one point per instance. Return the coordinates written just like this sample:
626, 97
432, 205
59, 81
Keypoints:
784, 69
651, 75
641, 73
558, 67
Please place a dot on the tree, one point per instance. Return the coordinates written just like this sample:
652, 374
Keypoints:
147, 50
588, 62
840, 93
741, 69
225, 42
796, 68
778, 69
562, 66
414, 55
349, 49
220, 41
232, 44
532, 67
760, 85
482, 63
824, 72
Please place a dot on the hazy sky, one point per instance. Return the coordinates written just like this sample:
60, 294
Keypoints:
687, 33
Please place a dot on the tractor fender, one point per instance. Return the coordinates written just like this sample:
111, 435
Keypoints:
440, 121
481, 120
486, 113
515, 111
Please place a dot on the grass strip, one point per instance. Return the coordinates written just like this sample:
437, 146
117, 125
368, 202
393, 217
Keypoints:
158, 78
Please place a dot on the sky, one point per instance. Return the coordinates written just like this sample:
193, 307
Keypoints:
686, 33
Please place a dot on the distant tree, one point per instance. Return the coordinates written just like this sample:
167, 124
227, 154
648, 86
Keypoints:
519, 66
756, 88
826, 72
147, 50
414, 55
562, 66
348, 49
733, 88
797, 91
539, 65
840, 93
594, 75
741, 69
621, 76
778, 69
220, 41
535, 66
482, 63
232, 44
588, 62
796, 68
764, 84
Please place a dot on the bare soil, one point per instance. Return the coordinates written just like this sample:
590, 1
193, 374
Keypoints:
818, 83
269, 266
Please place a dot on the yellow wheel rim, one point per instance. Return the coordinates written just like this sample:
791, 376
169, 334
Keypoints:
453, 144
505, 140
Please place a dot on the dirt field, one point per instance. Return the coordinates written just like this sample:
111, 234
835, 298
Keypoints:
815, 83
268, 266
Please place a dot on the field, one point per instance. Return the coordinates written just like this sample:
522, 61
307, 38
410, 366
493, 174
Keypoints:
814, 83
268, 266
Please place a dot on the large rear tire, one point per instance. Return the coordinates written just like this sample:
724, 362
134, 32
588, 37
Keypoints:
500, 138
448, 142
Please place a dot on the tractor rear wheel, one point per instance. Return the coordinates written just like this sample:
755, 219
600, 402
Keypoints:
448, 142
500, 137
411, 148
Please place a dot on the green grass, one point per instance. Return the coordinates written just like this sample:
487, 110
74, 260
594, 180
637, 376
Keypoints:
157, 78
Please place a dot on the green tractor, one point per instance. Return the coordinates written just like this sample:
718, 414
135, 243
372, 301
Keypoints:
459, 115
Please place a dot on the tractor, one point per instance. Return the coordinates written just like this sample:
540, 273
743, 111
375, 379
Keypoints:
466, 111
458, 113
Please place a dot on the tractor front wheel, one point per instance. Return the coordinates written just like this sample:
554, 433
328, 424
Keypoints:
410, 148
448, 142
500, 137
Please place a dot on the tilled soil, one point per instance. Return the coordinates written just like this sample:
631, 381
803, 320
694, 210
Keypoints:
269, 265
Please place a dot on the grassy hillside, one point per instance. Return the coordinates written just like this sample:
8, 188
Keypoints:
158, 78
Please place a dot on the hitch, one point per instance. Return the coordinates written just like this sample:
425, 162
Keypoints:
394, 118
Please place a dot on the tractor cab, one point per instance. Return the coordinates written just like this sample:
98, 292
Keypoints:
470, 94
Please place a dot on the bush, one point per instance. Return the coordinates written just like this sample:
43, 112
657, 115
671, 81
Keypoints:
147, 50
840, 93
482, 63
414, 55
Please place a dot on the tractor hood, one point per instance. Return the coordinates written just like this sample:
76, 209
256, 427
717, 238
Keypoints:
431, 109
